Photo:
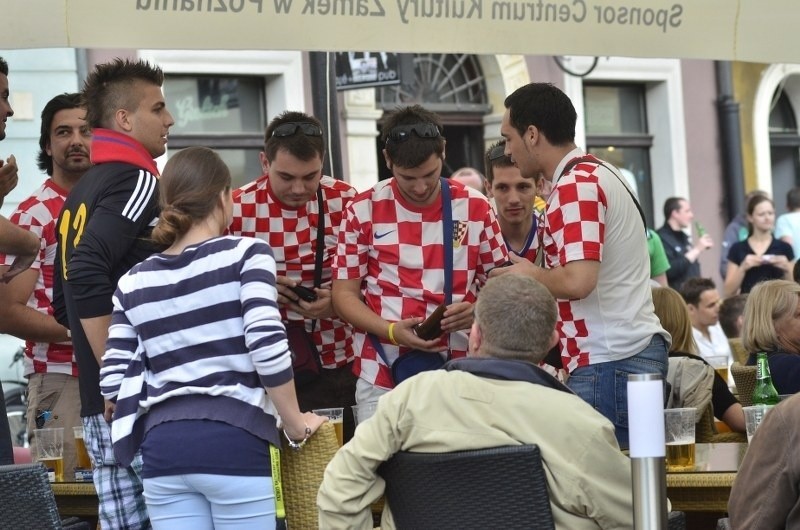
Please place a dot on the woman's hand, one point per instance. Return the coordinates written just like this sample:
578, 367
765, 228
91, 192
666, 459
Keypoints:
297, 431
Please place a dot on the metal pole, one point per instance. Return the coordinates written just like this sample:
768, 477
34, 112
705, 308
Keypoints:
647, 449
326, 108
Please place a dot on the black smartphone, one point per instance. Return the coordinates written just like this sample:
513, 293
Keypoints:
305, 294
505, 264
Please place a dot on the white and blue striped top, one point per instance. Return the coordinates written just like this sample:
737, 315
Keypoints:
196, 336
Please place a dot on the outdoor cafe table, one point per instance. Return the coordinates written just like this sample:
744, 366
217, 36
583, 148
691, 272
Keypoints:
707, 486
78, 499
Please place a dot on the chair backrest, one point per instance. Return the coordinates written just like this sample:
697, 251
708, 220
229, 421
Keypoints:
500, 487
739, 353
745, 379
302, 473
26, 498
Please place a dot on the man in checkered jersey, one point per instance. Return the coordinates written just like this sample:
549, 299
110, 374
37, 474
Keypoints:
389, 270
596, 258
25, 302
282, 208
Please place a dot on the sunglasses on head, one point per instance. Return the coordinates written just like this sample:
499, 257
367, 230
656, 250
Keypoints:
401, 133
290, 129
497, 152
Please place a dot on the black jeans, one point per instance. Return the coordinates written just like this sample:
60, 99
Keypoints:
333, 388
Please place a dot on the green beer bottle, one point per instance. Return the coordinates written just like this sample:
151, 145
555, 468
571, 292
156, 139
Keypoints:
764, 393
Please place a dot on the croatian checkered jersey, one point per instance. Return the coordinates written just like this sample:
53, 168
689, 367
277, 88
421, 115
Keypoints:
591, 216
292, 234
396, 249
38, 214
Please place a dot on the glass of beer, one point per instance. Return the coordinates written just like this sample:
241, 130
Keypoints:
80, 449
679, 434
720, 364
336, 417
50, 451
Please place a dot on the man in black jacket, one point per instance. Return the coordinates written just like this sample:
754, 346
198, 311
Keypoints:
681, 252
103, 231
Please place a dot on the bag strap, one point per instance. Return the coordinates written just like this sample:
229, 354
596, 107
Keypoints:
320, 251
594, 160
447, 240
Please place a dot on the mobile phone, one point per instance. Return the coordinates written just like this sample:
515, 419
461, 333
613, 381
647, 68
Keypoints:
305, 294
431, 327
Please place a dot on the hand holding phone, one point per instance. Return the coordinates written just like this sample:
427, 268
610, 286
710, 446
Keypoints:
431, 327
304, 293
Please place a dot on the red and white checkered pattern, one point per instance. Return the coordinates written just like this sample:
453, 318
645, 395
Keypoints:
38, 214
292, 234
396, 248
591, 216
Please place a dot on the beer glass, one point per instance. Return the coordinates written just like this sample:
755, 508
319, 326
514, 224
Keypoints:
336, 417
80, 449
50, 451
679, 435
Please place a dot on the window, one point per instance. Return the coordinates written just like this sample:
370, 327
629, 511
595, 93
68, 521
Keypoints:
616, 131
227, 114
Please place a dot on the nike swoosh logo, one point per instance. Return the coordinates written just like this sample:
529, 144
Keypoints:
379, 236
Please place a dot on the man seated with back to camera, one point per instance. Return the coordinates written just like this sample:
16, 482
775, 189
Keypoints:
589, 479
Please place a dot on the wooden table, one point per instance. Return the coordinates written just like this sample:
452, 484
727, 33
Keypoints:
77, 499
706, 488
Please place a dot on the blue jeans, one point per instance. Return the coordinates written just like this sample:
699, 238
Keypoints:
210, 502
605, 385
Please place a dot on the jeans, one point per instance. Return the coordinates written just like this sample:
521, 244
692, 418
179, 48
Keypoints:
210, 502
605, 385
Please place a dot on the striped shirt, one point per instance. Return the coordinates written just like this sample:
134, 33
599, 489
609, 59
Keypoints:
196, 336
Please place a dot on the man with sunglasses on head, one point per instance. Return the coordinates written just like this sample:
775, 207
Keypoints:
390, 269
283, 207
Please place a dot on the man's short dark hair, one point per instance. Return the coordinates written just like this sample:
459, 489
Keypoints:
673, 204
729, 312
61, 102
299, 145
416, 149
3, 67
545, 107
693, 288
793, 199
493, 159
112, 86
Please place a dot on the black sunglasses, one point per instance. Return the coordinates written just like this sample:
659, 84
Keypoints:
401, 133
497, 152
290, 129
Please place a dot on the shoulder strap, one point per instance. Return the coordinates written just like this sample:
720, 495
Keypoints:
320, 250
447, 240
592, 160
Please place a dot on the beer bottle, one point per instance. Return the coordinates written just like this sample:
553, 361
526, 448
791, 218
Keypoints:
764, 393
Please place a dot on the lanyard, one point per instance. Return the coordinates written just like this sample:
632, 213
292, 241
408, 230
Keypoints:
277, 483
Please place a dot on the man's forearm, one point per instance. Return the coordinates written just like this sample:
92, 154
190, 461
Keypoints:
27, 323
15, 240
96, 330
574, 281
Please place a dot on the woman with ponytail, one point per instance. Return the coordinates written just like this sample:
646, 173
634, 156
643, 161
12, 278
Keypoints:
195, 338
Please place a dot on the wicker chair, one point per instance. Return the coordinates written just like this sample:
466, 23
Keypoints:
745, 379
737, 349
501, 487
706, 430
27, 501
301, 472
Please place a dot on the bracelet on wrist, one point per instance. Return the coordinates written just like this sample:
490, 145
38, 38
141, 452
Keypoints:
391, 334
298, 445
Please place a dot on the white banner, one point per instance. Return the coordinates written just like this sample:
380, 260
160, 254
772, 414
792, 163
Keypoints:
746, 30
